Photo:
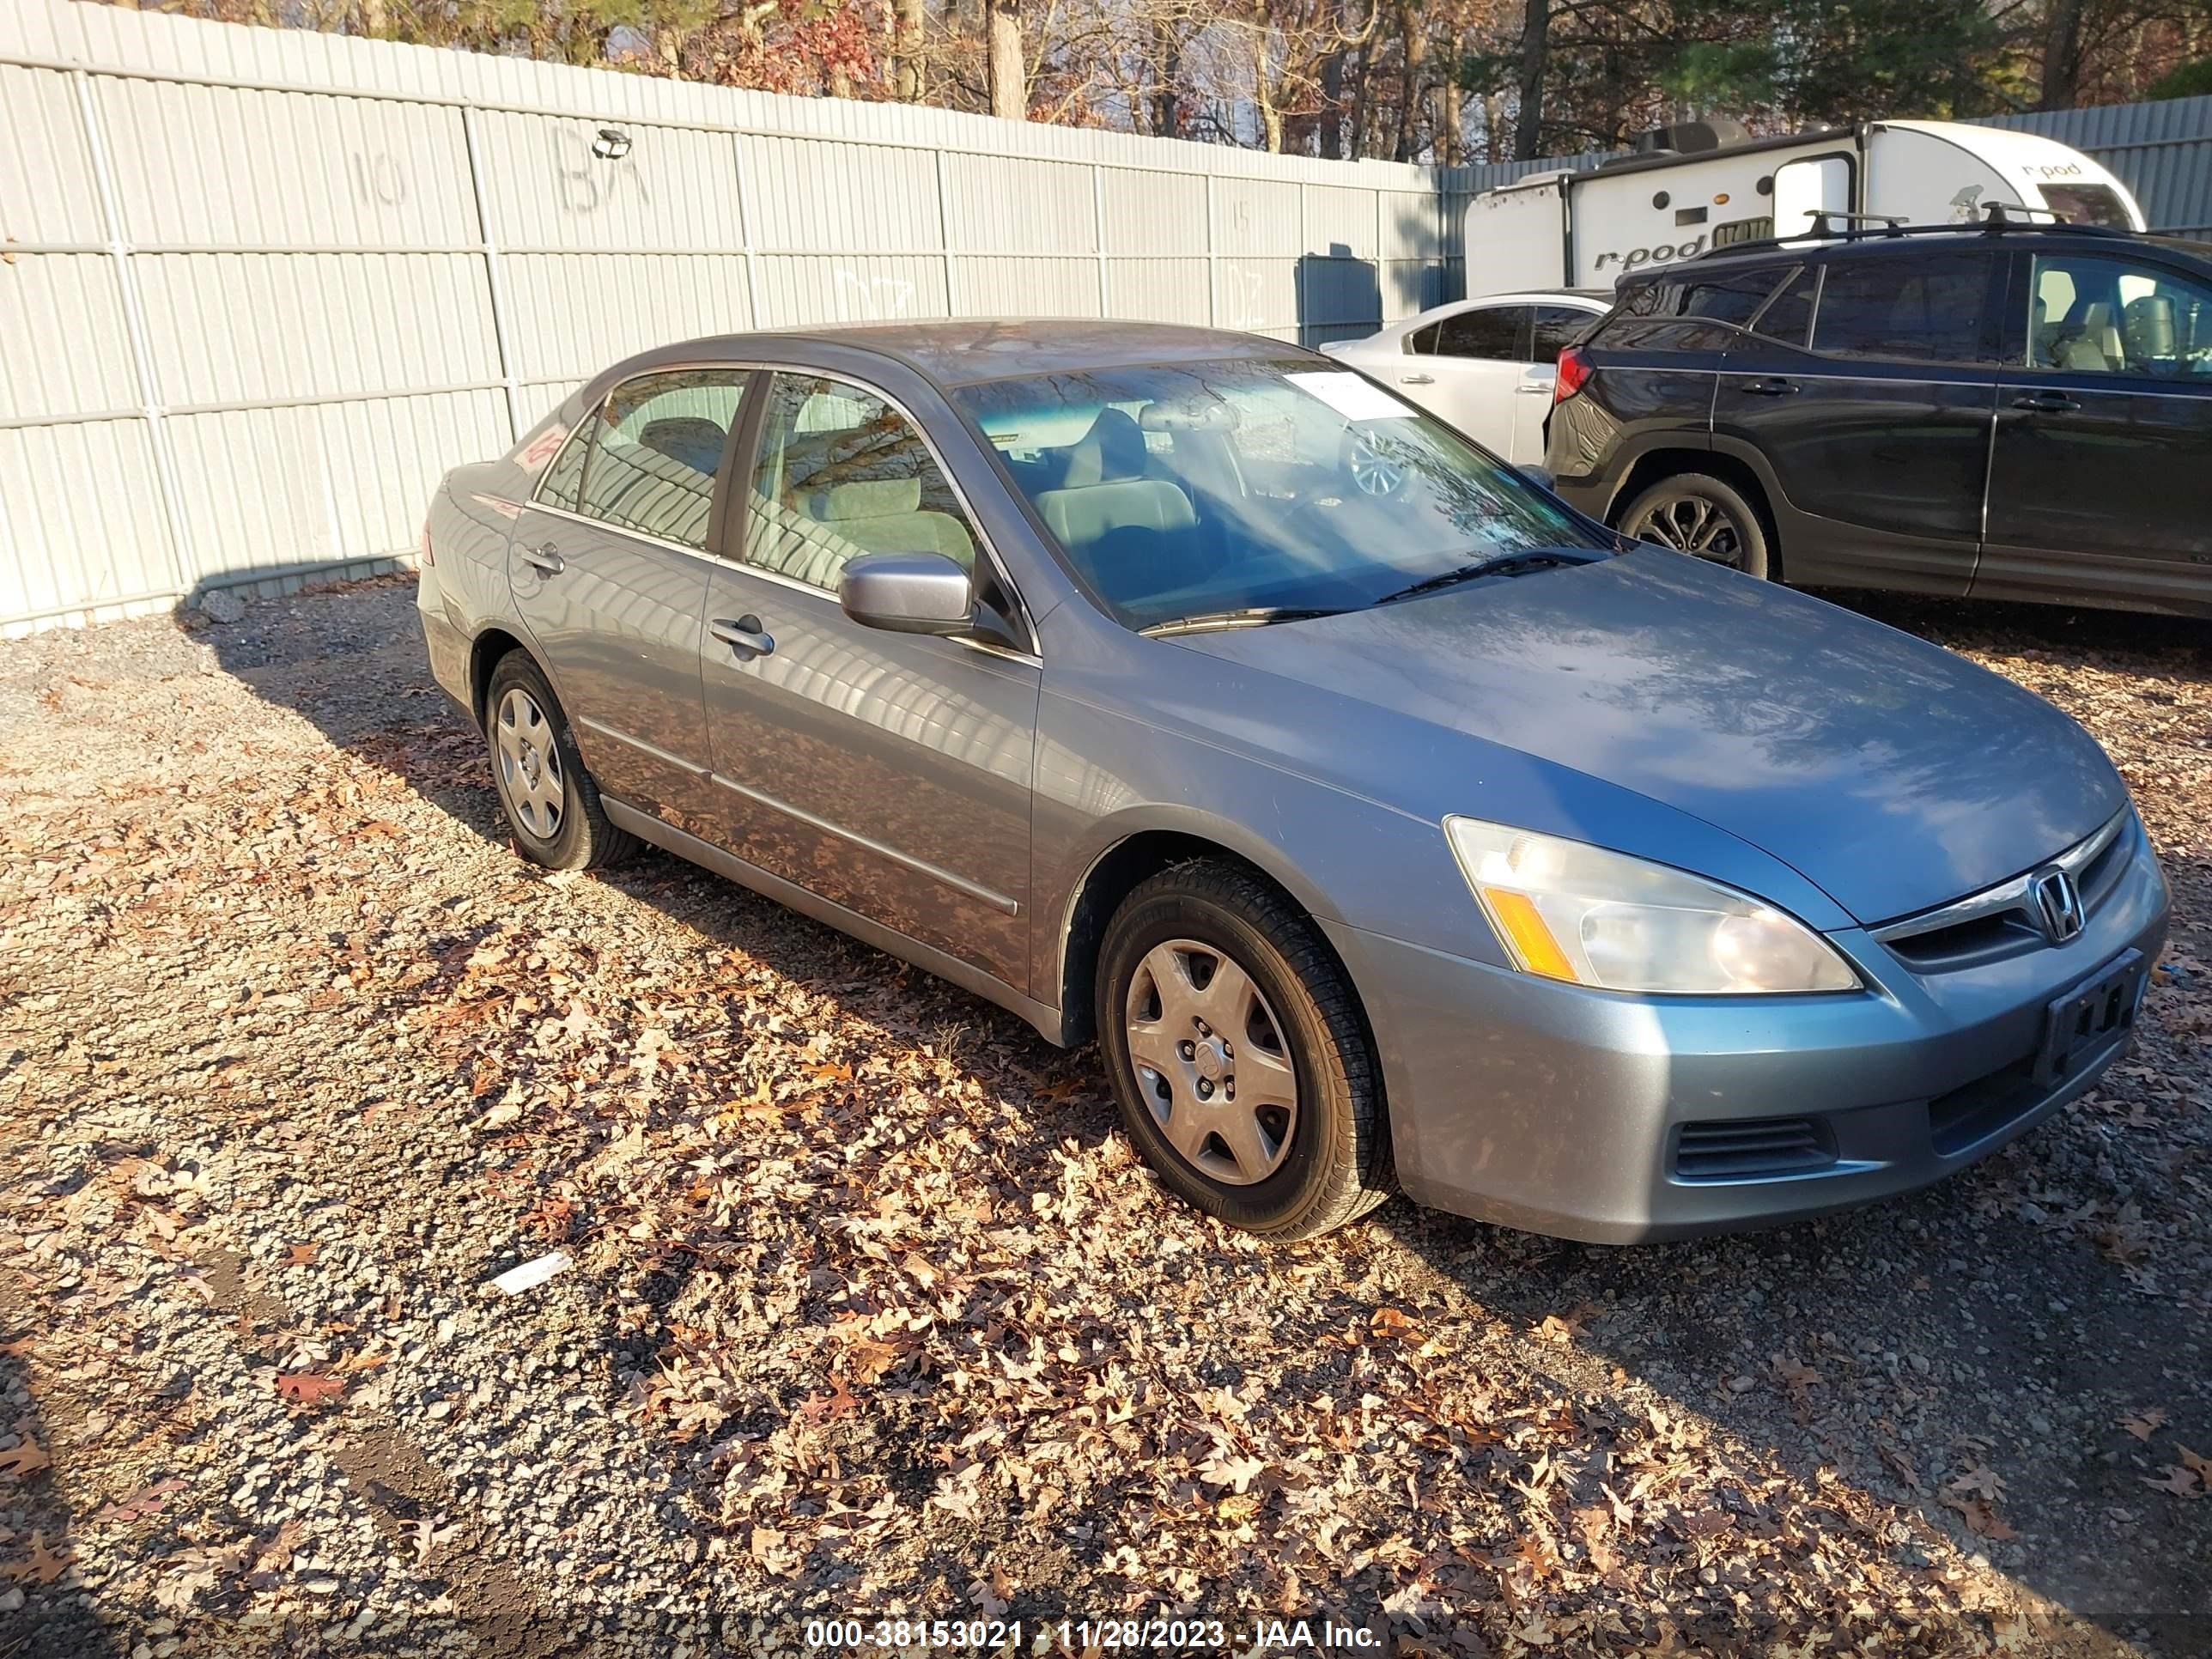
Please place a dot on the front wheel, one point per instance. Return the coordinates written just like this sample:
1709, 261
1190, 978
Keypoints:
1708, 518
1244, 1069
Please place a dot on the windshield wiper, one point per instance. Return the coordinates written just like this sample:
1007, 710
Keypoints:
1250, 616
1498, 564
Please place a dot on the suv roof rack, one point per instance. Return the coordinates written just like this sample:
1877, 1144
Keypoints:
1998, 219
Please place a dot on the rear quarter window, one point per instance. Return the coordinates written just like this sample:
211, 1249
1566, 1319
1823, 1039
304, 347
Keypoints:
1928, 308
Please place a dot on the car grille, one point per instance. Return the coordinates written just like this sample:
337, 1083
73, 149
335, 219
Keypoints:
2000, 921
1745, 1148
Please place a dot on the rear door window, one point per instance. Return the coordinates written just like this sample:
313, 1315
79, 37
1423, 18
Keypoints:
1491, 333
566, 475
1734, 298
661, 442
1929, 308
1789, 317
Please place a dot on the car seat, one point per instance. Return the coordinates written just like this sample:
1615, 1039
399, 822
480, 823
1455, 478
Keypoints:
693, 439
2146, 325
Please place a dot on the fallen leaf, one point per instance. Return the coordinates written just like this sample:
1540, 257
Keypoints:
2200, 1467
24, 1459
44, 1564
1981, 1520
301, 1255
2145, 1423
309, 1388
1224, 1470
426, 1533
146, 1501
2182, 1482
1979, 1480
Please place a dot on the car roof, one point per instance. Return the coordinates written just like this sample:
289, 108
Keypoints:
1874, 245
965, 351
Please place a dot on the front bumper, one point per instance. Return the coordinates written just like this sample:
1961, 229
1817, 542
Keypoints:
1563, 1111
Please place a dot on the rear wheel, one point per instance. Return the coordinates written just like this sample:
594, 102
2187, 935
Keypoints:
551, 804
1238, 1055
1708, 518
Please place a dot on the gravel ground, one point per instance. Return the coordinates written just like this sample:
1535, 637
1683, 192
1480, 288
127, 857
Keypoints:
870, 1309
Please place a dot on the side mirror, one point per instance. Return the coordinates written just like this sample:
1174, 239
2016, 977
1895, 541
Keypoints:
908, 594
1540, 476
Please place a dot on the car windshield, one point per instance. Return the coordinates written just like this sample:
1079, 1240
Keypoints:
1255, 491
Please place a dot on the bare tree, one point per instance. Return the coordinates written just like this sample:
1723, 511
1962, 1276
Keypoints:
1535, 48
1009, 79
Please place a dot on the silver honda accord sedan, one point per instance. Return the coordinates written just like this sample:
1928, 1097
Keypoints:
1386, 823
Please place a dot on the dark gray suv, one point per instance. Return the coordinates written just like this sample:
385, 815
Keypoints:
2011, 411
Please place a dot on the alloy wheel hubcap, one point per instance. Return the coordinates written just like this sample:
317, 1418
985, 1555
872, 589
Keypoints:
1374, 472
1211, 1062
530, 775
1690, 524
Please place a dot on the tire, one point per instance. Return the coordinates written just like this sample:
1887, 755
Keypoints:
551, 803
1300, 1165
1696, 507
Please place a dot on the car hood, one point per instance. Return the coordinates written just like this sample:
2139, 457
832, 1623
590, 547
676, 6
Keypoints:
1890, 773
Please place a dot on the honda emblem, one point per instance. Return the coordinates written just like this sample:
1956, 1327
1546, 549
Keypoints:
2057, 904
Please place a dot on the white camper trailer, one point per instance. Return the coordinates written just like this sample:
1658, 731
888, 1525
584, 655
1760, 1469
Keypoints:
1702, 185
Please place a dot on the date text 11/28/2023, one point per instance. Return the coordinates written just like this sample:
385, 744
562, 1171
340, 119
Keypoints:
1075, 1636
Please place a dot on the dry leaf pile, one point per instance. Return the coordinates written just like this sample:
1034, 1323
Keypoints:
872, 1311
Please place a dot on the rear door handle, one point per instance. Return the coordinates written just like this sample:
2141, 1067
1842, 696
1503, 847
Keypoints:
2047, 403
746, 635
1535, 388
546, 558
1416, 379
1773, 386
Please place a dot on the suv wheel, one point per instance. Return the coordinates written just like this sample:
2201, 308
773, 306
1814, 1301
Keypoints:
1697, 514
1237, 1053
551, 804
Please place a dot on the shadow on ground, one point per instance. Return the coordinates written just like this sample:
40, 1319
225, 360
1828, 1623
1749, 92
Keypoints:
45, 1613
1972, 1352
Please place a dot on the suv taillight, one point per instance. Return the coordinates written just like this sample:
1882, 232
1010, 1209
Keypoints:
1574, 371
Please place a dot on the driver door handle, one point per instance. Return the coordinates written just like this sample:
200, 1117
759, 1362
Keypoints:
2047, 403
745, 636
546, 558
1416, 379
1771, 386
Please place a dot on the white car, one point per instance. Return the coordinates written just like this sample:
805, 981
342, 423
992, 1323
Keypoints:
1485, 366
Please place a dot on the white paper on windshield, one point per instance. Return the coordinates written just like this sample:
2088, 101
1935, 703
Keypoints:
1352, 396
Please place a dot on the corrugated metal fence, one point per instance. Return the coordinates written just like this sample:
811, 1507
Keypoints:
262, 286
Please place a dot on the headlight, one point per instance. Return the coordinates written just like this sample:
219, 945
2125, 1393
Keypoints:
1568, 910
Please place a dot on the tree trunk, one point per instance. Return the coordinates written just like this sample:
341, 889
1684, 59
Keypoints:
1535, 48
1009, 89
1332, 105
907, 37
1362, 74
1451, 148
1167, 81
1414, 61
2062, 56
1263, 89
